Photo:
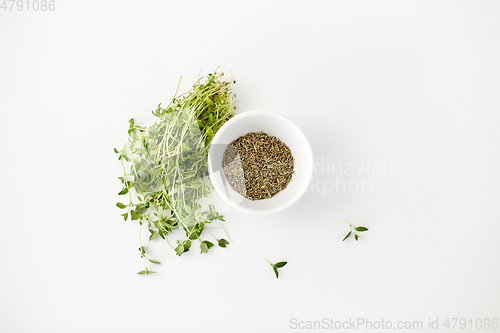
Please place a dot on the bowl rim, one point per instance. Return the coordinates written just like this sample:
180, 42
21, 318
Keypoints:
251, 113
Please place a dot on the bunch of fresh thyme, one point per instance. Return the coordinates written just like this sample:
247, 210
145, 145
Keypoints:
165, 171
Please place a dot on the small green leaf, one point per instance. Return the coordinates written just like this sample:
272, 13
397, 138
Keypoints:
154, 235
116, 150
203, 247
280, 264
147, 271
209, 244
195, 232
356, 237
208, 101
222, 242
275, 271
124, 191
140, 209
361, 229
348, 234
120, 205
125, 216
134, 215
179, 250
186, 244
154, 261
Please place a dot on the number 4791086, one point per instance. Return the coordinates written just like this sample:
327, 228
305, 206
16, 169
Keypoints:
27, 5
479, 323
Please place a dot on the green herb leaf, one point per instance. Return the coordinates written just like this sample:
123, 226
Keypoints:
134, 215
203, 247
208, 101
154, 235
280, 264
179, 250
195, 234
222, 242
116, 150
154, 261
162, 235
209, 244
353, 228
186, 244
146, 272
120, 205
276, 266
140, 210
124, 191
125, 216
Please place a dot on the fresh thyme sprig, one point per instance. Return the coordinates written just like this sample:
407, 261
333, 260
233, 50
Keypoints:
276, 266
353, 230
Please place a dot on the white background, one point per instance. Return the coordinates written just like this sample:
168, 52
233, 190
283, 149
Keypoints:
413, 84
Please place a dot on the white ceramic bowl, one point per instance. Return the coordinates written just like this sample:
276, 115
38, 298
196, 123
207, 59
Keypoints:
272, 124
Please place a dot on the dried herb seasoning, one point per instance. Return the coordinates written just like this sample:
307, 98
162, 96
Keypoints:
257, 165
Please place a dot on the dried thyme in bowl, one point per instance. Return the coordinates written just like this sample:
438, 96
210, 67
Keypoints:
257, 165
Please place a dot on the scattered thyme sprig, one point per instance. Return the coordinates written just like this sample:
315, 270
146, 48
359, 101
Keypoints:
353, 230
276, 266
